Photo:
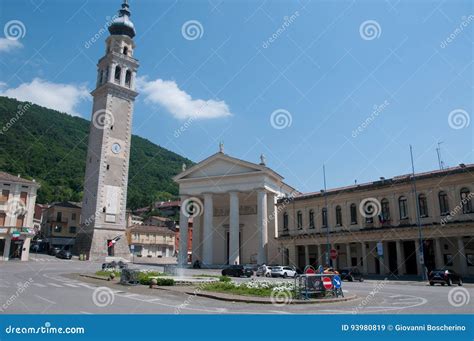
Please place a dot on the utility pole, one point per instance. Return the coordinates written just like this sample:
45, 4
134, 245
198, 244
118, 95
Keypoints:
418, 221
328, 244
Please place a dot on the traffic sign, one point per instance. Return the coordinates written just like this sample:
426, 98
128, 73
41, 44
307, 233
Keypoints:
336, 281
333, 253
327, 283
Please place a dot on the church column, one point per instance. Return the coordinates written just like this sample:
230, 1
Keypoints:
419, 266
319, 260
262, 226
364, 259
438, 256
348, 255
234, 252
400, 262
183, 231
207, 240
462, 257
123, 71
197, 239
112, 72
306, 255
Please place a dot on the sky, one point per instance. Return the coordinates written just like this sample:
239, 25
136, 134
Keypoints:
347, 84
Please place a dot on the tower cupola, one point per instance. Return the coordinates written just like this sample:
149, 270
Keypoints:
122, 25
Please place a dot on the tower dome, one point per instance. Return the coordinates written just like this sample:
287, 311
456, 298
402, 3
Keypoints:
122, 25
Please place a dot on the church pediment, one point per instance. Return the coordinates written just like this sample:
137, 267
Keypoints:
220, 165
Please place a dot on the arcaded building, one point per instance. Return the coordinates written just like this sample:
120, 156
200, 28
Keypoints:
374, 226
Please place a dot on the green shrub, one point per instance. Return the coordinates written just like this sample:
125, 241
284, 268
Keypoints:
165, 281
224, 279
145, 278
107, 273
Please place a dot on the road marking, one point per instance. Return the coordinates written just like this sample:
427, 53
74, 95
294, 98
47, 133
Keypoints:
85, 312
39, 285
71, 285
55, 285
45, 299
154, 299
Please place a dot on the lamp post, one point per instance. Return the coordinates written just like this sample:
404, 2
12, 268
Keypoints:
328, 245
418, 221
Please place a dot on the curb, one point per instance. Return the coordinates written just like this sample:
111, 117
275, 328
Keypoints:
95, 277
268, 301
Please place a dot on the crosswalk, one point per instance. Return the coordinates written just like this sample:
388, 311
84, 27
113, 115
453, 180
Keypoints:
49, 259
62, 285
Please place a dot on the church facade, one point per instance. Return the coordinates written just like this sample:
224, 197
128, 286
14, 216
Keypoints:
233, 206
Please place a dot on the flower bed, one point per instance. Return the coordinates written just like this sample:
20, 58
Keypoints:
252, 288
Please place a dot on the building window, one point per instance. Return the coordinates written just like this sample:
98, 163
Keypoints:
423, 205
285, 221
338, 216
385, 210
59, 216
58, 228
20, 221
311, 219
125, 50
118, 71
5, 195
443, 203
73, 216
403, 206
2, 219
72, 229
299, 220
466, 201
353, 214
128, 78
324, 216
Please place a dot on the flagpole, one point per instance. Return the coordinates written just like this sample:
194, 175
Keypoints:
418, 222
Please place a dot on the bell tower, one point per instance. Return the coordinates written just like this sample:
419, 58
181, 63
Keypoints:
102, 231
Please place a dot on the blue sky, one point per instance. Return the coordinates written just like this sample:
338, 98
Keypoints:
324, 66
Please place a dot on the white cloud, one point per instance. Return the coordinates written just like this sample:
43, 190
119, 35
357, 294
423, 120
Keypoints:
179, 103
61, 97
6, 45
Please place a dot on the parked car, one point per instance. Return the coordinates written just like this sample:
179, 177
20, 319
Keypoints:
64, 254
443, 277
351, 274
237, 271
284, 271
54, 251
264, 272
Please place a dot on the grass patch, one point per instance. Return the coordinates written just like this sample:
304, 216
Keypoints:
145, 277
204, 275
224, 279
107, 273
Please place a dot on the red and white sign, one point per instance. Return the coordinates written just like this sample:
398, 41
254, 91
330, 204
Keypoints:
333, 253
327, 282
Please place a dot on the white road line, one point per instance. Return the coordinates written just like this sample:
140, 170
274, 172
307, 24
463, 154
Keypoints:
45, 299
71, 285
154, 300
85, 312
39, 285
55, 285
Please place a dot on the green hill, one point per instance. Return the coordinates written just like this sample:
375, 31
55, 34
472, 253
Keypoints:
51, 147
